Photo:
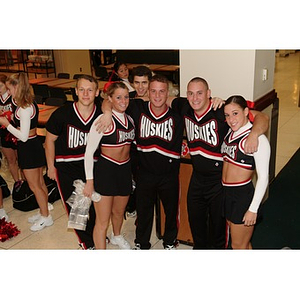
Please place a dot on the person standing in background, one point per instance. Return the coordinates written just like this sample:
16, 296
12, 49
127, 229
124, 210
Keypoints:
9, 147
31, 155
141, 76
121, 73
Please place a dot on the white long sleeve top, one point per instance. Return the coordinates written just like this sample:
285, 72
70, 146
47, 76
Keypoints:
25, 119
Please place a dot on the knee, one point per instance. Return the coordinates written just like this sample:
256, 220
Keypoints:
34, 188
101, 226
11, 160
37, 190
118, 212
239, 245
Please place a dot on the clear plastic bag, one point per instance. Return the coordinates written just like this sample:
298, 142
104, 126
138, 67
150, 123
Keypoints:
79, 213
80, 206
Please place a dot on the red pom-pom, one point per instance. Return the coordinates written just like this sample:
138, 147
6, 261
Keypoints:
8, 115
7, 230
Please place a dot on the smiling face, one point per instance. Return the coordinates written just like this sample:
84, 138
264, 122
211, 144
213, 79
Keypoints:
86, 92
235, 116
141, 85
198, 96
119, 99
158, 95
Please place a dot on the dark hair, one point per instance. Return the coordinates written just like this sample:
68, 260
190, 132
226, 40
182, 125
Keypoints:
159, 78
237, 99
141, 71
89, 78
115, 85
199, 79
117, 65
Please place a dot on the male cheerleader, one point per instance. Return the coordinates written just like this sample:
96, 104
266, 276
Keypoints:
65, 144
140, 81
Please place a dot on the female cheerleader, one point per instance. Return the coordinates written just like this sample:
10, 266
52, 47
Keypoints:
31, 155
111, 175
242, 200
7, 105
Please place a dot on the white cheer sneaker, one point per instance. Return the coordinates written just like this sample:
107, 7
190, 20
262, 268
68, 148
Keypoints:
41, 223
34, 218
120, 241
3, 214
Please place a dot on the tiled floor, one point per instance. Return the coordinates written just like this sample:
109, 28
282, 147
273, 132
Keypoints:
286, 83
287, 86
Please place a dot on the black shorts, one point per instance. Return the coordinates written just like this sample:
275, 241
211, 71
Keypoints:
111, 179
31, 154
237, 202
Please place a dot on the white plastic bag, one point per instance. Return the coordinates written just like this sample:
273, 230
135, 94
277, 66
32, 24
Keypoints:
80, 206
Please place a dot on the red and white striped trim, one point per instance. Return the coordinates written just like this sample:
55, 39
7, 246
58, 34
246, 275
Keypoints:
115, 161
234, 184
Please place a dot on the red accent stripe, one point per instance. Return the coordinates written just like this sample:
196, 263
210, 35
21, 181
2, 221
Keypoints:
233, 184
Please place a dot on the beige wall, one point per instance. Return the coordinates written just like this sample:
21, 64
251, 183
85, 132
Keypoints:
72, 61
264, 59
229, 72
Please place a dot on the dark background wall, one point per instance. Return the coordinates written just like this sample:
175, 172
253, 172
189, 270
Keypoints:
166, 57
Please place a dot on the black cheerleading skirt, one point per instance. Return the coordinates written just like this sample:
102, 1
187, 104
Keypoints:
111, 179
237, 202
31, 154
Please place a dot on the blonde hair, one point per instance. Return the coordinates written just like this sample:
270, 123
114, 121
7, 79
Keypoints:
24, 96
115, 85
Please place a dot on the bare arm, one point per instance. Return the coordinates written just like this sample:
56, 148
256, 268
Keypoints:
260, 126
105, 122
50, 154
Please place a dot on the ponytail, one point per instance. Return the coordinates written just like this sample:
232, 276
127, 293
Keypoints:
23, 95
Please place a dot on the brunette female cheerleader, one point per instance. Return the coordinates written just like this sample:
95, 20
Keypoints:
242, 200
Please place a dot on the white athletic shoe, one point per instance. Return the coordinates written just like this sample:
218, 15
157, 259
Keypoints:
120, 241
3, 214
41, 223
34, 218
